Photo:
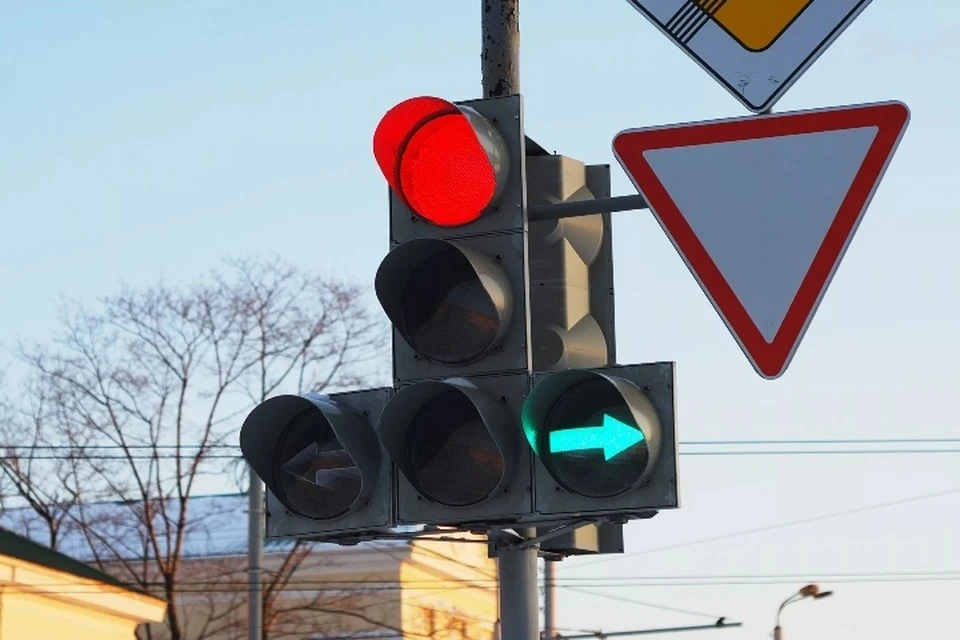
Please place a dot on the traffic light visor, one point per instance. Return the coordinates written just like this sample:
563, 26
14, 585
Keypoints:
317, 460
597, 435
446, 439
446, 162
452, 305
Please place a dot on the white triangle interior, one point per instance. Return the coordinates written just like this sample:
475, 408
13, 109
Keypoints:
763, 202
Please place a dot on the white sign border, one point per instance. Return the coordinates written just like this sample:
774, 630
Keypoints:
783, 84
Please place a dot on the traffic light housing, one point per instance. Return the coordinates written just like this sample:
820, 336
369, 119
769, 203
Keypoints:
454, 286
506, 409
604, 440
322, 463
571, 268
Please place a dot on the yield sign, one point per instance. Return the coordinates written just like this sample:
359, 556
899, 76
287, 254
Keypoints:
755, 48
762, 209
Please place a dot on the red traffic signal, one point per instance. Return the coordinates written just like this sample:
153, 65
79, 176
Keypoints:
446, 162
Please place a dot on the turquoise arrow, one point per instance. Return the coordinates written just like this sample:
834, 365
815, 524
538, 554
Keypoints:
613, 436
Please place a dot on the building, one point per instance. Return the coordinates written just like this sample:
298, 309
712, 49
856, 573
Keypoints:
381, 590
46, 594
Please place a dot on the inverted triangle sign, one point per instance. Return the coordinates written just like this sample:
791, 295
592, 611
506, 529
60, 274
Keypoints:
763, 208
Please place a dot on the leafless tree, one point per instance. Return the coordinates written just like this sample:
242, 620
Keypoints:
137, 400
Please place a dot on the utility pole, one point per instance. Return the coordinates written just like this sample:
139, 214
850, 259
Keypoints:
549, 600
501, 47
255, 558
519, 596
516, 568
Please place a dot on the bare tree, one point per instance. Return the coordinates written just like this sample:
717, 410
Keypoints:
138, 401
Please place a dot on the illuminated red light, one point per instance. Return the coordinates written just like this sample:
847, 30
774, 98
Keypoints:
433, 158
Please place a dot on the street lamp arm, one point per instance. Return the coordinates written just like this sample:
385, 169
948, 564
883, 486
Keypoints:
794, 598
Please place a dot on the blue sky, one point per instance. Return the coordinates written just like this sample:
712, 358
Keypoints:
142, 139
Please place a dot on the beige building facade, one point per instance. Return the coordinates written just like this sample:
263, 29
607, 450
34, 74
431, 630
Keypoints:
380, 590
383, 591
45, 594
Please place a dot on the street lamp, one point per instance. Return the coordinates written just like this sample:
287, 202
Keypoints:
809, 591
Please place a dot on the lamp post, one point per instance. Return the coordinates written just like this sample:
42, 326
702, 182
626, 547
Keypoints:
809, 591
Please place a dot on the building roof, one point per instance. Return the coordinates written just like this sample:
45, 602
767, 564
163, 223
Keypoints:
22, 548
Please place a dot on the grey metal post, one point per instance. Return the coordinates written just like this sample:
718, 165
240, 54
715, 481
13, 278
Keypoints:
517, 569
255, 558
549, 600
519, 597
500, 57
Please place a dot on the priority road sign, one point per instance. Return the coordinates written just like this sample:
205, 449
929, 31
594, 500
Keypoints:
762, 209
755, 48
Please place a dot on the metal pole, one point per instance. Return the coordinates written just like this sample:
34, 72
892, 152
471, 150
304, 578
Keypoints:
519, 597
538, 212
516, 568
255, 558
549, 600
500, 57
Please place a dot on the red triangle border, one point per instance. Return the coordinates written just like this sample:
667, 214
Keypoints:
769, 359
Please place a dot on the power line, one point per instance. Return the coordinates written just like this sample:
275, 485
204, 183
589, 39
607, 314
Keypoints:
611, 581
776, 580
708, 443
190, 585
773, 527
688, 443
814, 452
584, 584
137, 455
642, 603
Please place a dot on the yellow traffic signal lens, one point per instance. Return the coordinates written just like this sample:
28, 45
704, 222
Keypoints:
446, 312
452, 456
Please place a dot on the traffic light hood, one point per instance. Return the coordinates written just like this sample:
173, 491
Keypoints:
445, 161
468, 433
432, 290
613, 435
343, 448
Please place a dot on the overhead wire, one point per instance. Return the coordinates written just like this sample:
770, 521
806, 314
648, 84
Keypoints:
642, 603
772, 527
688, 443
338, 587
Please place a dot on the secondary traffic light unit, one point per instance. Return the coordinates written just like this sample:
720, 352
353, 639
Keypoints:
321, 461
506, 409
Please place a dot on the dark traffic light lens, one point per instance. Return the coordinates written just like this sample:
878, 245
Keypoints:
315, 475
590, 441
452, 455
446, 314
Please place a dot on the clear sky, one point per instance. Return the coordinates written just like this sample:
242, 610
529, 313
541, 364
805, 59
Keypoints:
147, 138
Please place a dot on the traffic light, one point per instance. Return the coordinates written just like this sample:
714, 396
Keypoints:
506, 409
454, 286
322, 463
571, 268
605, 441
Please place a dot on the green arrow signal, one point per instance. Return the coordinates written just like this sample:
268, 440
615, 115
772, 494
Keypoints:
613, 436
